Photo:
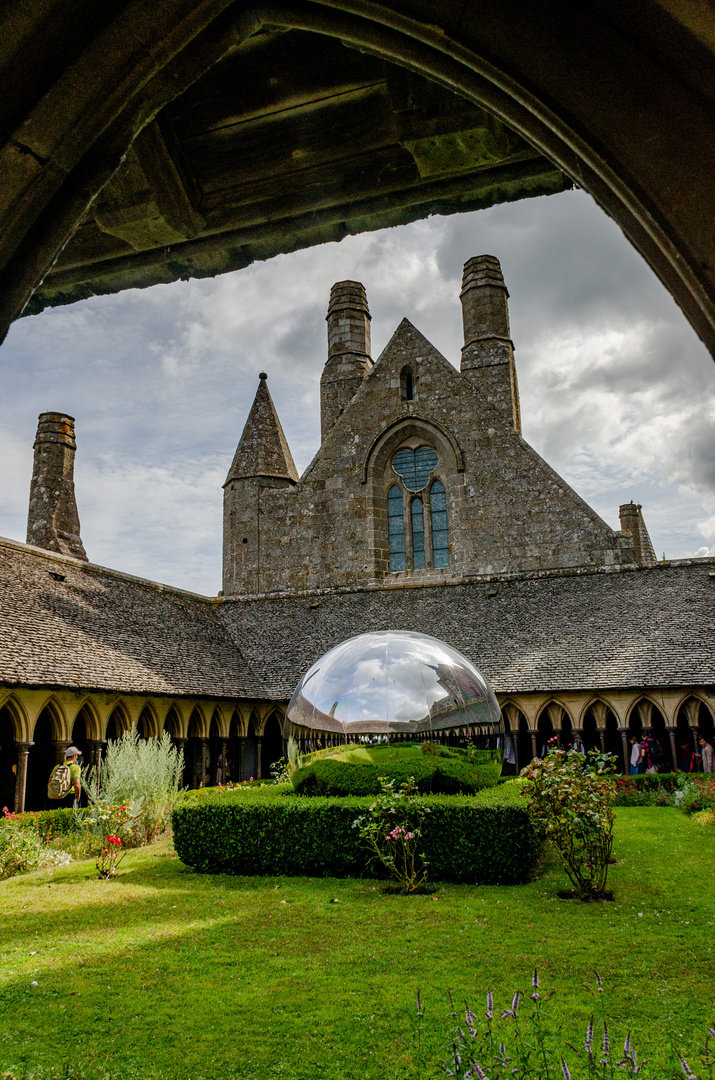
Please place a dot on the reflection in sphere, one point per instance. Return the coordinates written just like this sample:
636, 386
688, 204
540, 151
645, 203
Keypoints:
393, 686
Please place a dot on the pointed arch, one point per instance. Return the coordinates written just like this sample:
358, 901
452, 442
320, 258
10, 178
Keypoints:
407, 383
172, 723
148, 722
18, 717
119, 721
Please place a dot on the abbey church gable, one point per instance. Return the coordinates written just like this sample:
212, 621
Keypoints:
422, 475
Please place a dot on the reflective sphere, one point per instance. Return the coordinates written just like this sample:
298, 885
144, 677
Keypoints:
394, 685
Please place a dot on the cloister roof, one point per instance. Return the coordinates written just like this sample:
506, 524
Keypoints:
68, 623
647, 627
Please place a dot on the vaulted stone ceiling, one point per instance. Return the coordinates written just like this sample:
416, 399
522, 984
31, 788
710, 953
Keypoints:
148, 140
292, 141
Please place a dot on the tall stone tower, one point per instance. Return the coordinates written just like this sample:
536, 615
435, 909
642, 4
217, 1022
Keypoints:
349, 359
488, 353
52, 520
262, 460
633, 524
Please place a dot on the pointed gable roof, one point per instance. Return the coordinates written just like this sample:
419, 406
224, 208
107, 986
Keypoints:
408, 338
263, 449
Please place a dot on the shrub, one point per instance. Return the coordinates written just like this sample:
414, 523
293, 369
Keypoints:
49, 824
22, 849
433, 773
696, 794
487, 838
143, 774
392, 830
571, 800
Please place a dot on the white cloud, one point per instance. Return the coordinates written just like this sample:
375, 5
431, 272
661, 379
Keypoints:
617, 392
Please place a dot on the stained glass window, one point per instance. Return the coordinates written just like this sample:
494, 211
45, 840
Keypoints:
440, 530
414, 466
418, 535
396, 528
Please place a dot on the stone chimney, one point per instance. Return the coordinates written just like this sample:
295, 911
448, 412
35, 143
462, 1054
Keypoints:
349, 360
53, 521
488, 353
632, 523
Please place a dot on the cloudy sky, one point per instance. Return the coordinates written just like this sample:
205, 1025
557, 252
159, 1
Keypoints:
617, 392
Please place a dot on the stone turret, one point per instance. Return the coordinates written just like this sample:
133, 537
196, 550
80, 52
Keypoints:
349, 360
262, 460
488, 353
632, 523
52, 520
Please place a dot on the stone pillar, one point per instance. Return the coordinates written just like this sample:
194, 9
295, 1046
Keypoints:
577, 737
488, 353
259, 743
23, 752
602, 738
59, 746
202, 745
534, 746
624, 733
673, 748
223, 760
96, 746
52, 520
349, 360
240, 758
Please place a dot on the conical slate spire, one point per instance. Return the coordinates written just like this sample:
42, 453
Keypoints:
263, 450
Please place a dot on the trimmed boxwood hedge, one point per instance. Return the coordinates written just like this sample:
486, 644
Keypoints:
485, 839
49, 823
435, 775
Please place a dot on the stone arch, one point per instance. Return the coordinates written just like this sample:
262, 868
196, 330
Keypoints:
83, 731
408, 383
47, 751
9, 731
414, 426
271, 742
517, 729
17, 717
77, 139
594, 723
553, 721
173, 724
218, 750
119, 721
148, 722
196, 750
693, 717
251, 749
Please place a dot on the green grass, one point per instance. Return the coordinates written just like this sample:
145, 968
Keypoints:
169, 973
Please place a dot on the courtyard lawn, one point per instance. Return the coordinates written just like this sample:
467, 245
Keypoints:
164, 972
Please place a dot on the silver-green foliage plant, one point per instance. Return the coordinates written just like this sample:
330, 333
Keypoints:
143, 775
392, 830
571, 799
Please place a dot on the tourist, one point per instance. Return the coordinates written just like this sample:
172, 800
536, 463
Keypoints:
706, 755
635, 755
74, 794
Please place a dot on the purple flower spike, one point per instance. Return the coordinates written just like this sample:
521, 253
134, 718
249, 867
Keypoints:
515, 1002
565, 1070
606, 1045
481, 1075
589, 1036
490, 1005
686, 1068
419, 1004
627, 1044
600, 983
712, 1032
535, 980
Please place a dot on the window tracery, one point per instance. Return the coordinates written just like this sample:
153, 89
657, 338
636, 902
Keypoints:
425, 543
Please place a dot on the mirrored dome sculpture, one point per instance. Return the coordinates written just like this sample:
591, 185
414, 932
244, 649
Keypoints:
393, 686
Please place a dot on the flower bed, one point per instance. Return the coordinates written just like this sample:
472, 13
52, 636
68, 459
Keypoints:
487, 838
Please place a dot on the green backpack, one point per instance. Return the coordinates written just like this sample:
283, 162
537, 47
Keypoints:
59, 783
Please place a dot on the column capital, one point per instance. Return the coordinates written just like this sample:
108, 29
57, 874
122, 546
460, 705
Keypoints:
25, 747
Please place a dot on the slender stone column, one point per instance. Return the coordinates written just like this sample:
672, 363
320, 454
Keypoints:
259, 742
240, 758
673, 749
59, 746
534, 749
602, 738
624, 739
202, 744
23, 752
96, 746
221, 770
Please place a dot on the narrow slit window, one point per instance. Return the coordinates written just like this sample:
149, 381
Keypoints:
418, 535
440, 530
396, 528
409, 387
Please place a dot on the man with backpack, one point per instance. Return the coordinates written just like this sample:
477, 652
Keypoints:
652, 754
64, 788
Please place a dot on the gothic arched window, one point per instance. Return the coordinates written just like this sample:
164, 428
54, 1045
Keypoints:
396, 528
407, 384
418, 535
440, 528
